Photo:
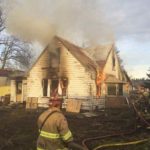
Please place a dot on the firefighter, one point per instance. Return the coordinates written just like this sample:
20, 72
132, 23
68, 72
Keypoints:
54, 133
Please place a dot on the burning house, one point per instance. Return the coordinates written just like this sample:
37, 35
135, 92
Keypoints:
66, 70
4, 82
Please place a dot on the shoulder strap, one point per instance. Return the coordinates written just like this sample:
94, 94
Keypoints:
47, 118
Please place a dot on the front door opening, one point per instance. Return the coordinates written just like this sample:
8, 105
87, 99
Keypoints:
18, 91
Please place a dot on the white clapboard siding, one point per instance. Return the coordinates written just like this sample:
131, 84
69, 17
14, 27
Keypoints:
108, 69
79, 78
80, 82
36, 74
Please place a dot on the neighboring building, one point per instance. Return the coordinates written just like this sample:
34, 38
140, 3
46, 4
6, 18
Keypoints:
4, 82
65, 69
18, 86
139, 85
6, 76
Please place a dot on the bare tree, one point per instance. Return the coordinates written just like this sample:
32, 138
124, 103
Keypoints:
15, 50
12, 50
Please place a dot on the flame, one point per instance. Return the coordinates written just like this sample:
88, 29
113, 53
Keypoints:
100, 78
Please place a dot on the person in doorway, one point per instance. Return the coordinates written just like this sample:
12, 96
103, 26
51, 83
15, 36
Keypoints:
54, 133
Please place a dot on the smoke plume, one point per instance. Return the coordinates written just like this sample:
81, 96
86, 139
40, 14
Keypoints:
39, 20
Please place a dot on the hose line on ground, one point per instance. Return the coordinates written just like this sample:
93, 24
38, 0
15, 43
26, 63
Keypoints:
121, 144
105, 136
117, 134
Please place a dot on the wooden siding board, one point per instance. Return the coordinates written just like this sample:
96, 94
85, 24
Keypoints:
116, 72
36, 74
79, 79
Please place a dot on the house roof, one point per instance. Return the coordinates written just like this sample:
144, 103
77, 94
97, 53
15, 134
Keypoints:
102, 51
17, 74
127, 77
78, 53
10, 73
5, 72
94, 60
100, 54
101, 64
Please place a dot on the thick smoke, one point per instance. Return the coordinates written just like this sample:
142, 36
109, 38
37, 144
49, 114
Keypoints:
39, 20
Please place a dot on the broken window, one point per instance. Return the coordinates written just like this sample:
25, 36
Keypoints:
45, 86
115, 89
18, 87
111, 89
54, 87
64, 85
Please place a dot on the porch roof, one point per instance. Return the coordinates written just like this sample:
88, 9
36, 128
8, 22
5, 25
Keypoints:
113, 79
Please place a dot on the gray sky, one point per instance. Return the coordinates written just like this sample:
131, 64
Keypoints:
130, 20
125, 22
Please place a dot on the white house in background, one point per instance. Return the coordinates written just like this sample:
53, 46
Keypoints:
67, 70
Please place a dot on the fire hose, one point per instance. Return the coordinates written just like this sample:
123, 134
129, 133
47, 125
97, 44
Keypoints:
121, 144
105, 136
118, 134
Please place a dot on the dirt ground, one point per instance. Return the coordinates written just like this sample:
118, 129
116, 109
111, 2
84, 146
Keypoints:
18, 128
